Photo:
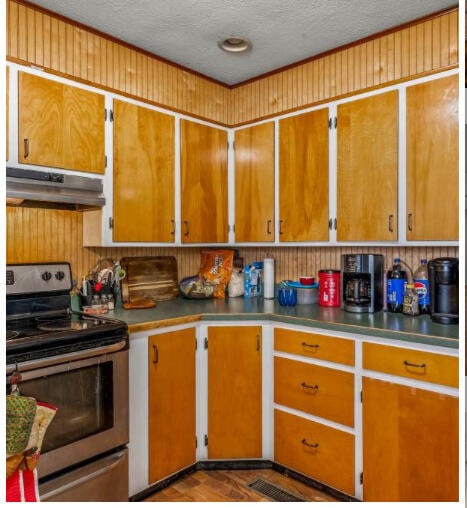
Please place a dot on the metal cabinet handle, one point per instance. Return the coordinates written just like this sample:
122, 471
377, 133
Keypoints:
310, 387
173, 228
26, 148
417, 365
311, 445
258, 342
269, 226
187, 228
280, 227
155, 351
304, 344
390, 223
409, 222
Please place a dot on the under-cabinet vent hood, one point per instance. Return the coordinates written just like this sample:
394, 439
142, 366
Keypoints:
49, 187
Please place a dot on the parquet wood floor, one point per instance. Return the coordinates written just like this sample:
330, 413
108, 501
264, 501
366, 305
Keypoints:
231, 485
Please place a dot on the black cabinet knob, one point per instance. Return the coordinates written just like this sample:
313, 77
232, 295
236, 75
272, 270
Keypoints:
46, 276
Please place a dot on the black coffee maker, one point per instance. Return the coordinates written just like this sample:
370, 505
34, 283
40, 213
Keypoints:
362, 282
443, 274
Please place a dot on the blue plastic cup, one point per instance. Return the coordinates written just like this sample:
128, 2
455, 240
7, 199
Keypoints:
287, 297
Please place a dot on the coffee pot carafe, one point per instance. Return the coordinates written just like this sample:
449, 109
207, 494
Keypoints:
443, 275
362, 282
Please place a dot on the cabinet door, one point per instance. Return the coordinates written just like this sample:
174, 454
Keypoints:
304, 177
203, 183
172, 415
7, 113
234, 392
367, 155
254, 184
144, 174
433, 160
410, 444
60, 125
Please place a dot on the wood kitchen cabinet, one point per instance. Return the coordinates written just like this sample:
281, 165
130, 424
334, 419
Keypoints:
304, 177
204, 202
432, 153
367, 167
410, 435
254, 183
172, 406
234, 392
60, 125
319, 449
143, 174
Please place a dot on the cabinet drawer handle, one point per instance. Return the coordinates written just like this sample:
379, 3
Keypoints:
310, 387
417, 365
187, 229
280, 227
173, 227
269, 226
155, 358
390, 223
26, 148
258, 342
409, 222
311, 445
304, 344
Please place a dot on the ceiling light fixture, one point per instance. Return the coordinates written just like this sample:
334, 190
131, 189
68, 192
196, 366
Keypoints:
235, 44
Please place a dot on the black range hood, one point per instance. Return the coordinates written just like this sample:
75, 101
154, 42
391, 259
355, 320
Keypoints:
48, 187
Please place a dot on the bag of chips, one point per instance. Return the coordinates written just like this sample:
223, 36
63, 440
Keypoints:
216, 267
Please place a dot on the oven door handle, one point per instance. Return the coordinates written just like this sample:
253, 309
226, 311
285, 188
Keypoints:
65, 358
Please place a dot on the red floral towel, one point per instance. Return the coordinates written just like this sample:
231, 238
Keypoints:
22, 486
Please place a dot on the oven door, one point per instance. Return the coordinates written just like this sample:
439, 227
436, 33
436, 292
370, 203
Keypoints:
90, 390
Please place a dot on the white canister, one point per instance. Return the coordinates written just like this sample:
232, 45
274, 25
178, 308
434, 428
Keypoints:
269, 278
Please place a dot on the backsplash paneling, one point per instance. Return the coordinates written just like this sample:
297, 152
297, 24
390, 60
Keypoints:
41, 235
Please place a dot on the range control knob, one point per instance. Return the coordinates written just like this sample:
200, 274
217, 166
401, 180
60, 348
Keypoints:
60, 275
46, 276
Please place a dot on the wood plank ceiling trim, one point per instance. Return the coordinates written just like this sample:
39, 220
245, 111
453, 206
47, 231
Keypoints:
64, 47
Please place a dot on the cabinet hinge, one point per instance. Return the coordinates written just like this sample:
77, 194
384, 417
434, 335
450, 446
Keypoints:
196, 344
335, 122
205, 343
332, 123
335, 224
105, 161
330, 224
361, 395
111, 115
205, 439
111, 222
361, 478
105, 114
196, 442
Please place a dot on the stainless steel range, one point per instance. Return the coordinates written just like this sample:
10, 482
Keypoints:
79, 364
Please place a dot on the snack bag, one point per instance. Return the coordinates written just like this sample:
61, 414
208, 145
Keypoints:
216, 267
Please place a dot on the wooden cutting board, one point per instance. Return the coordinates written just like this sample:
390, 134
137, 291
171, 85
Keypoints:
149, 277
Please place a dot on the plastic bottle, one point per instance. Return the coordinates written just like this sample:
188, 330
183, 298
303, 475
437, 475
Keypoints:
422, 286
410, 305
396, 281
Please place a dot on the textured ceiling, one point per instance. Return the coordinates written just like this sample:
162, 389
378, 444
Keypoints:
282, 32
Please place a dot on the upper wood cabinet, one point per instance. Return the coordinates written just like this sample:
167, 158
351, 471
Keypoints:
204, 203
172, 402
60, 125
367, 167
143, 174
304, 177
254, 183
234, 392
433, 160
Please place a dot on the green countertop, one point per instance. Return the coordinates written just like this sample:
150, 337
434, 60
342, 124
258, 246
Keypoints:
419, 329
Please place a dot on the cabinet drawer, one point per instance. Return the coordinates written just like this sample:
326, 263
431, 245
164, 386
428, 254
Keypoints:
323, 453
420, 365
317, 390
314, 345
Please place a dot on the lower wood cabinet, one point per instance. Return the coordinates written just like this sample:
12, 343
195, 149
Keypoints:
324, 453
410, 443
234, 392
172, 402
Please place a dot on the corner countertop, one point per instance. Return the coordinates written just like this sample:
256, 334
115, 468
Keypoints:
418, 329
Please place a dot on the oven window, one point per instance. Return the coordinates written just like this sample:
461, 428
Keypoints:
84, 398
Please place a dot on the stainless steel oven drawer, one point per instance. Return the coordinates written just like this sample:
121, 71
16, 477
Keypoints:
103, 480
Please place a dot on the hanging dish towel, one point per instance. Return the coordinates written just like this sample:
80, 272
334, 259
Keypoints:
26, 423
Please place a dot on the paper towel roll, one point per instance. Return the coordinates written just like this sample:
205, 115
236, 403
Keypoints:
268, 277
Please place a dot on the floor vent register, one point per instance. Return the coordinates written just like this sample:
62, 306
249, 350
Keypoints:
273, 492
